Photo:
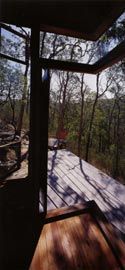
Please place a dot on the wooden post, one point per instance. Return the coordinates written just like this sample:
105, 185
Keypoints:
44, 135
38, 126
35, 120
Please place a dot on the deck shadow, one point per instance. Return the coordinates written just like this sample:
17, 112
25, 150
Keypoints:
115, 214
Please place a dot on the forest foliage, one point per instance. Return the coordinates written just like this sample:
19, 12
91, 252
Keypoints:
93, 118
14, 84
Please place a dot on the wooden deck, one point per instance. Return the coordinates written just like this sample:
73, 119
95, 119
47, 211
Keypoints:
78, 241
72, 181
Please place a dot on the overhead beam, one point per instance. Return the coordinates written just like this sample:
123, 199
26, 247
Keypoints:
66, 66
111, 58
10, 29
117, 54
59, 17
112, 16
2, 55
68, 32
93, 35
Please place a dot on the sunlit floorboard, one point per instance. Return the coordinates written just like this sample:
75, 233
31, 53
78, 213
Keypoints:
77, 243
71, 181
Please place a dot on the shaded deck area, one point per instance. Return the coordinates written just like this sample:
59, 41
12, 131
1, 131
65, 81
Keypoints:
72, 181
78, 238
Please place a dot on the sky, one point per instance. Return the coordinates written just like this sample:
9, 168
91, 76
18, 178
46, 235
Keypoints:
90, 80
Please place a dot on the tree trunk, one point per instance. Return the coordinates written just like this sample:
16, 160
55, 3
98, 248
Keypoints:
13, 114
100, 143
109, 126
81, 118
92, 118
23, 101
116, 169
90, 130
62, 108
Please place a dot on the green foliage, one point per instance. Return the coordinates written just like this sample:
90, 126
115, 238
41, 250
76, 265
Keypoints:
12, 83
67, 97
103, 153
72, 136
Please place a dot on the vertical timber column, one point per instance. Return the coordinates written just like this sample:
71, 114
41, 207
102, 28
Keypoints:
38, 125
35, 120
44, 135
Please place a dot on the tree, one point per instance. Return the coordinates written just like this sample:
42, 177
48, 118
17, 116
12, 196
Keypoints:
54, 46
25, 87
10, 90
93, 119
14, 81
83, 89
118, 90
97, 96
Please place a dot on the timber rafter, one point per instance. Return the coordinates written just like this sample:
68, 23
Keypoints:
115, 55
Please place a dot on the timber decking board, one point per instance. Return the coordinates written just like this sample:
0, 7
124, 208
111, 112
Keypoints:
73, 186
74, 243
85, 182
71, 181
72, 162
89, 188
